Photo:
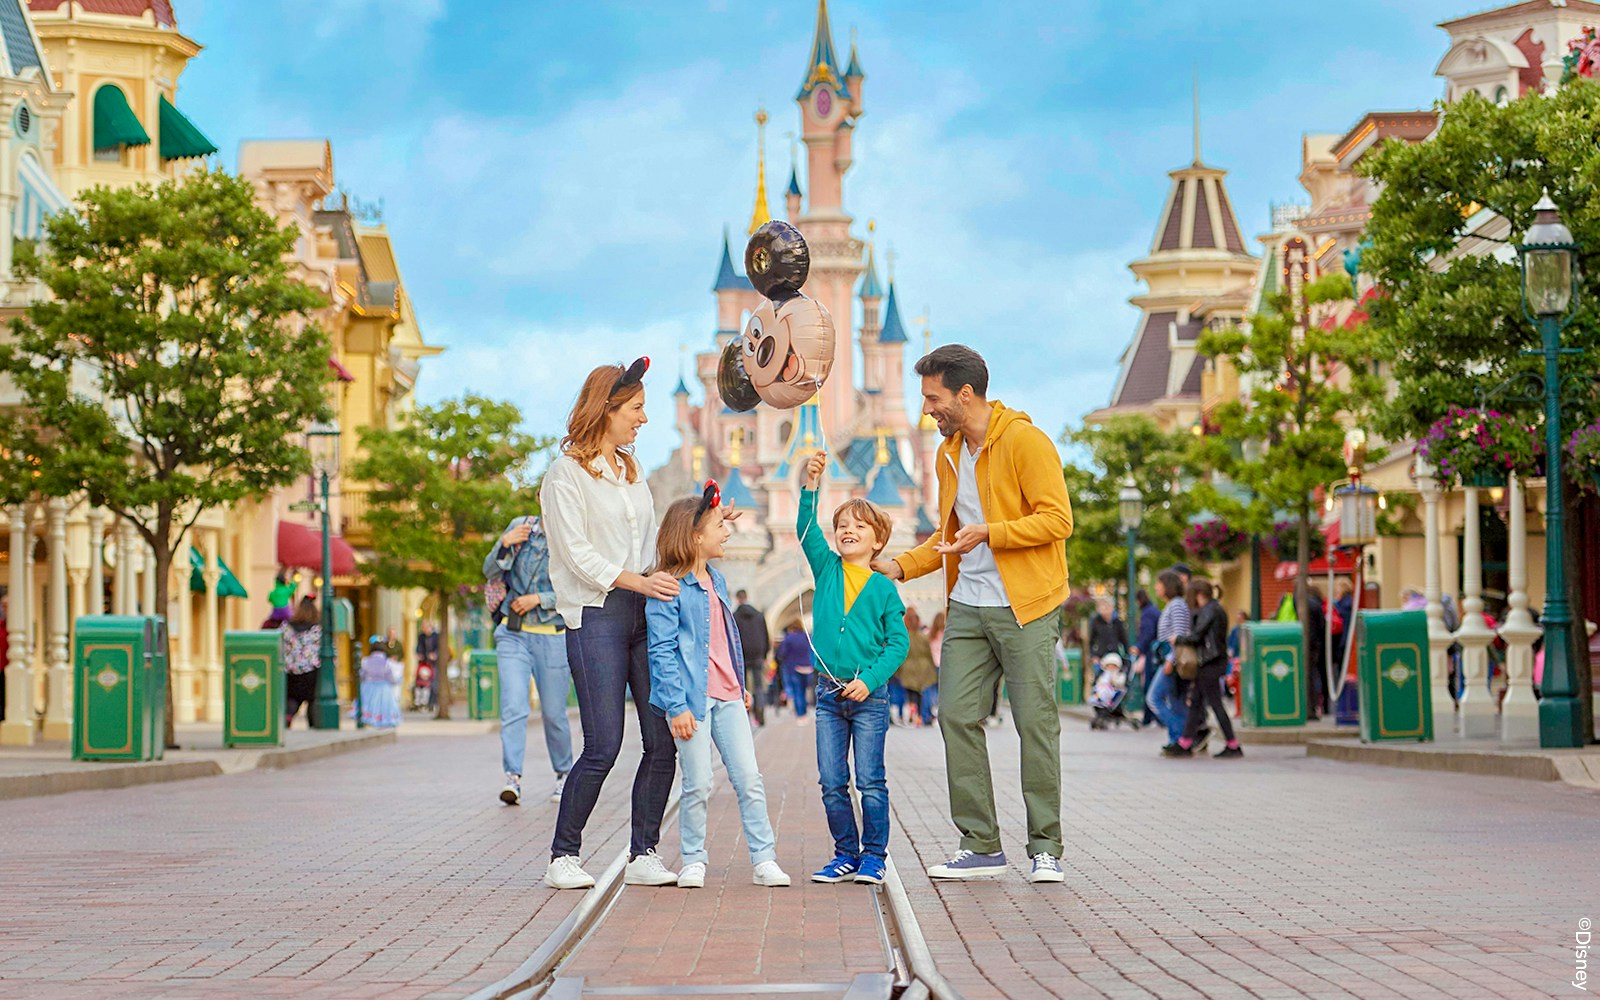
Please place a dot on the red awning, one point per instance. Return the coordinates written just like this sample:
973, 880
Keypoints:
301, 546
340, 371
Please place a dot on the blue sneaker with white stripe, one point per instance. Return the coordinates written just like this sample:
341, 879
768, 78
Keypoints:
840, 869
871, 870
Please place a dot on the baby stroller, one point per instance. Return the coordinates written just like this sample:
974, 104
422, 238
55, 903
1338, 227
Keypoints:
422, 687
1109, 695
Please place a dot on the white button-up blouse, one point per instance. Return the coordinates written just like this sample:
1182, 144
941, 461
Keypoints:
598, 528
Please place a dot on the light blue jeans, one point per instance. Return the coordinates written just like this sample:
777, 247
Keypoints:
728, 726
1163, 701
526, 659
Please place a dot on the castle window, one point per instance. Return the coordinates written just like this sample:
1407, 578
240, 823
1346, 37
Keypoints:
784, 430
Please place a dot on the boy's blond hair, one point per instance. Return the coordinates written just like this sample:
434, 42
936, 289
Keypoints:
872, 515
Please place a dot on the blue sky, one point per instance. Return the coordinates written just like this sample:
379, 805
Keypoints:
557, 176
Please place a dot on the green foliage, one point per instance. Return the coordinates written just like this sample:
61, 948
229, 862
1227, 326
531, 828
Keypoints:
444, 485
1307, 384
1451, 335
1098, 549
172, 367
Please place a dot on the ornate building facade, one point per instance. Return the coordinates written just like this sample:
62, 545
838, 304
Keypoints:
878, 448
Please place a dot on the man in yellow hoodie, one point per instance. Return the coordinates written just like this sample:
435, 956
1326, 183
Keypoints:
1004, 516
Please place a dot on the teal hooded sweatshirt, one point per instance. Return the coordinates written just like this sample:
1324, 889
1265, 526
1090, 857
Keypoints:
867, 642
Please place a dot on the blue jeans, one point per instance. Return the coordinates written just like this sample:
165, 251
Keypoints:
728, 726
930, 701
843, 726
1164, 702
525, 657
897, 698
607, 657
798, 685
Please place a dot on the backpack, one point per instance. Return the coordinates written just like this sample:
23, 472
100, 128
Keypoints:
302, 650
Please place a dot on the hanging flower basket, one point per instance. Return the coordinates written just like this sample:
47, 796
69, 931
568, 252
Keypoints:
1285, 541
1583, 451
1214, 541
1480, 448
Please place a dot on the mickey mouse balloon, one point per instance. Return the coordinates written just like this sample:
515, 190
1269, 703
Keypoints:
786, 350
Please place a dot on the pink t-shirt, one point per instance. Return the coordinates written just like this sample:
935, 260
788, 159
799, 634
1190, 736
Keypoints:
721, 683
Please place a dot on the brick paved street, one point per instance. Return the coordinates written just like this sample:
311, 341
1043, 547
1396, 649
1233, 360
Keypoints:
1273, 876
393, 872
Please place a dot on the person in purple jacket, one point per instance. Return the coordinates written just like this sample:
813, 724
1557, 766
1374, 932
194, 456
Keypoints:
795, 665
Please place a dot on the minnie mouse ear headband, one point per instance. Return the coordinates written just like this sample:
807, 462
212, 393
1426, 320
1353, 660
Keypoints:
710, 497
633, 376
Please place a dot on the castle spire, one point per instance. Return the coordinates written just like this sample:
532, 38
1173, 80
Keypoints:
1197, 116
760, 215
894, 331
823, 66
870, 289
854, 71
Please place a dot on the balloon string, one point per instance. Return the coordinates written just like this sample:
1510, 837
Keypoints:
799, 555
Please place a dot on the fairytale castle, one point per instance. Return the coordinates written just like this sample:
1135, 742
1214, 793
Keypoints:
879, 449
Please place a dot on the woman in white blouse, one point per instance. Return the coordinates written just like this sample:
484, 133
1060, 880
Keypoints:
601, 524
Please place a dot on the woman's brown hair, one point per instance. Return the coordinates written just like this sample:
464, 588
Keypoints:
675, 550
586, 424
305, 613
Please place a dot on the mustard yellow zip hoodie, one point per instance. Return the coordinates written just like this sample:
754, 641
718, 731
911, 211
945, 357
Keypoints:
1024, 496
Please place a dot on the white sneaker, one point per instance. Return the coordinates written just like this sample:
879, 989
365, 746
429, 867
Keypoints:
693, 876
648, 869
566, 873
512, 794
767, 873
561, 783
1046, 869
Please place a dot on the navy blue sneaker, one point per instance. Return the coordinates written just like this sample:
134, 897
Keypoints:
966, 864
871, 870
840, 869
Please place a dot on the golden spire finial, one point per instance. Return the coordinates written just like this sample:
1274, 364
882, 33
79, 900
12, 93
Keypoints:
761, 215
735, 447
889, 256
882, 456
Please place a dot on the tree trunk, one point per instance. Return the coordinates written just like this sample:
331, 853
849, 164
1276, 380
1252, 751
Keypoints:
163, 571
441, 675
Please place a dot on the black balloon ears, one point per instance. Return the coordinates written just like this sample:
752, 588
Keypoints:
777, 260
633, 376
710, 497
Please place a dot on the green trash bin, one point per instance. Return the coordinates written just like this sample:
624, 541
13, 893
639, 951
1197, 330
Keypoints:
1069, 676
1392, 676
483, 685
253, 689
1274, 674
119, 688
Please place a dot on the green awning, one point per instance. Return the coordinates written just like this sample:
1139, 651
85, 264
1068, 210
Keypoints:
179, 138
227, 586
115, 124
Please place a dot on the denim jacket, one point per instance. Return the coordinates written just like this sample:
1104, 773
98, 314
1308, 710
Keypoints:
526, 573
680, 646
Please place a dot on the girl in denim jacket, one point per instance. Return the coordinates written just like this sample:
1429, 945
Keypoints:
697, 683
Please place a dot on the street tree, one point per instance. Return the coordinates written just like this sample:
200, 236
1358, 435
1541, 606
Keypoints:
445, 483
1107, 452
1451, 327
172, 365
1305, 360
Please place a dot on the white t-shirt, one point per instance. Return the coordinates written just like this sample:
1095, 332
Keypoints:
978, 584
597, 529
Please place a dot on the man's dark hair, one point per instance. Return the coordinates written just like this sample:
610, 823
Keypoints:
956, 365
741, 595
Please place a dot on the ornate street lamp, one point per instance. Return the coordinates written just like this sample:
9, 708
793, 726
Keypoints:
322, 440
1549, 288
1130, 509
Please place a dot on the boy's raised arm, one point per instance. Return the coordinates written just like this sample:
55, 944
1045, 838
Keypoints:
806, 527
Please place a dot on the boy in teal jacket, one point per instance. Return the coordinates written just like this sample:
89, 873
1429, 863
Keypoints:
858, 632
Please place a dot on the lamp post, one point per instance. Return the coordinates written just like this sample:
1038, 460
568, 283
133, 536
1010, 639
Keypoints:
1549, 286
322, 439
1130, 509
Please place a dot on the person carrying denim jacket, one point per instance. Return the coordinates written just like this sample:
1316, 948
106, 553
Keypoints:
530, 650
